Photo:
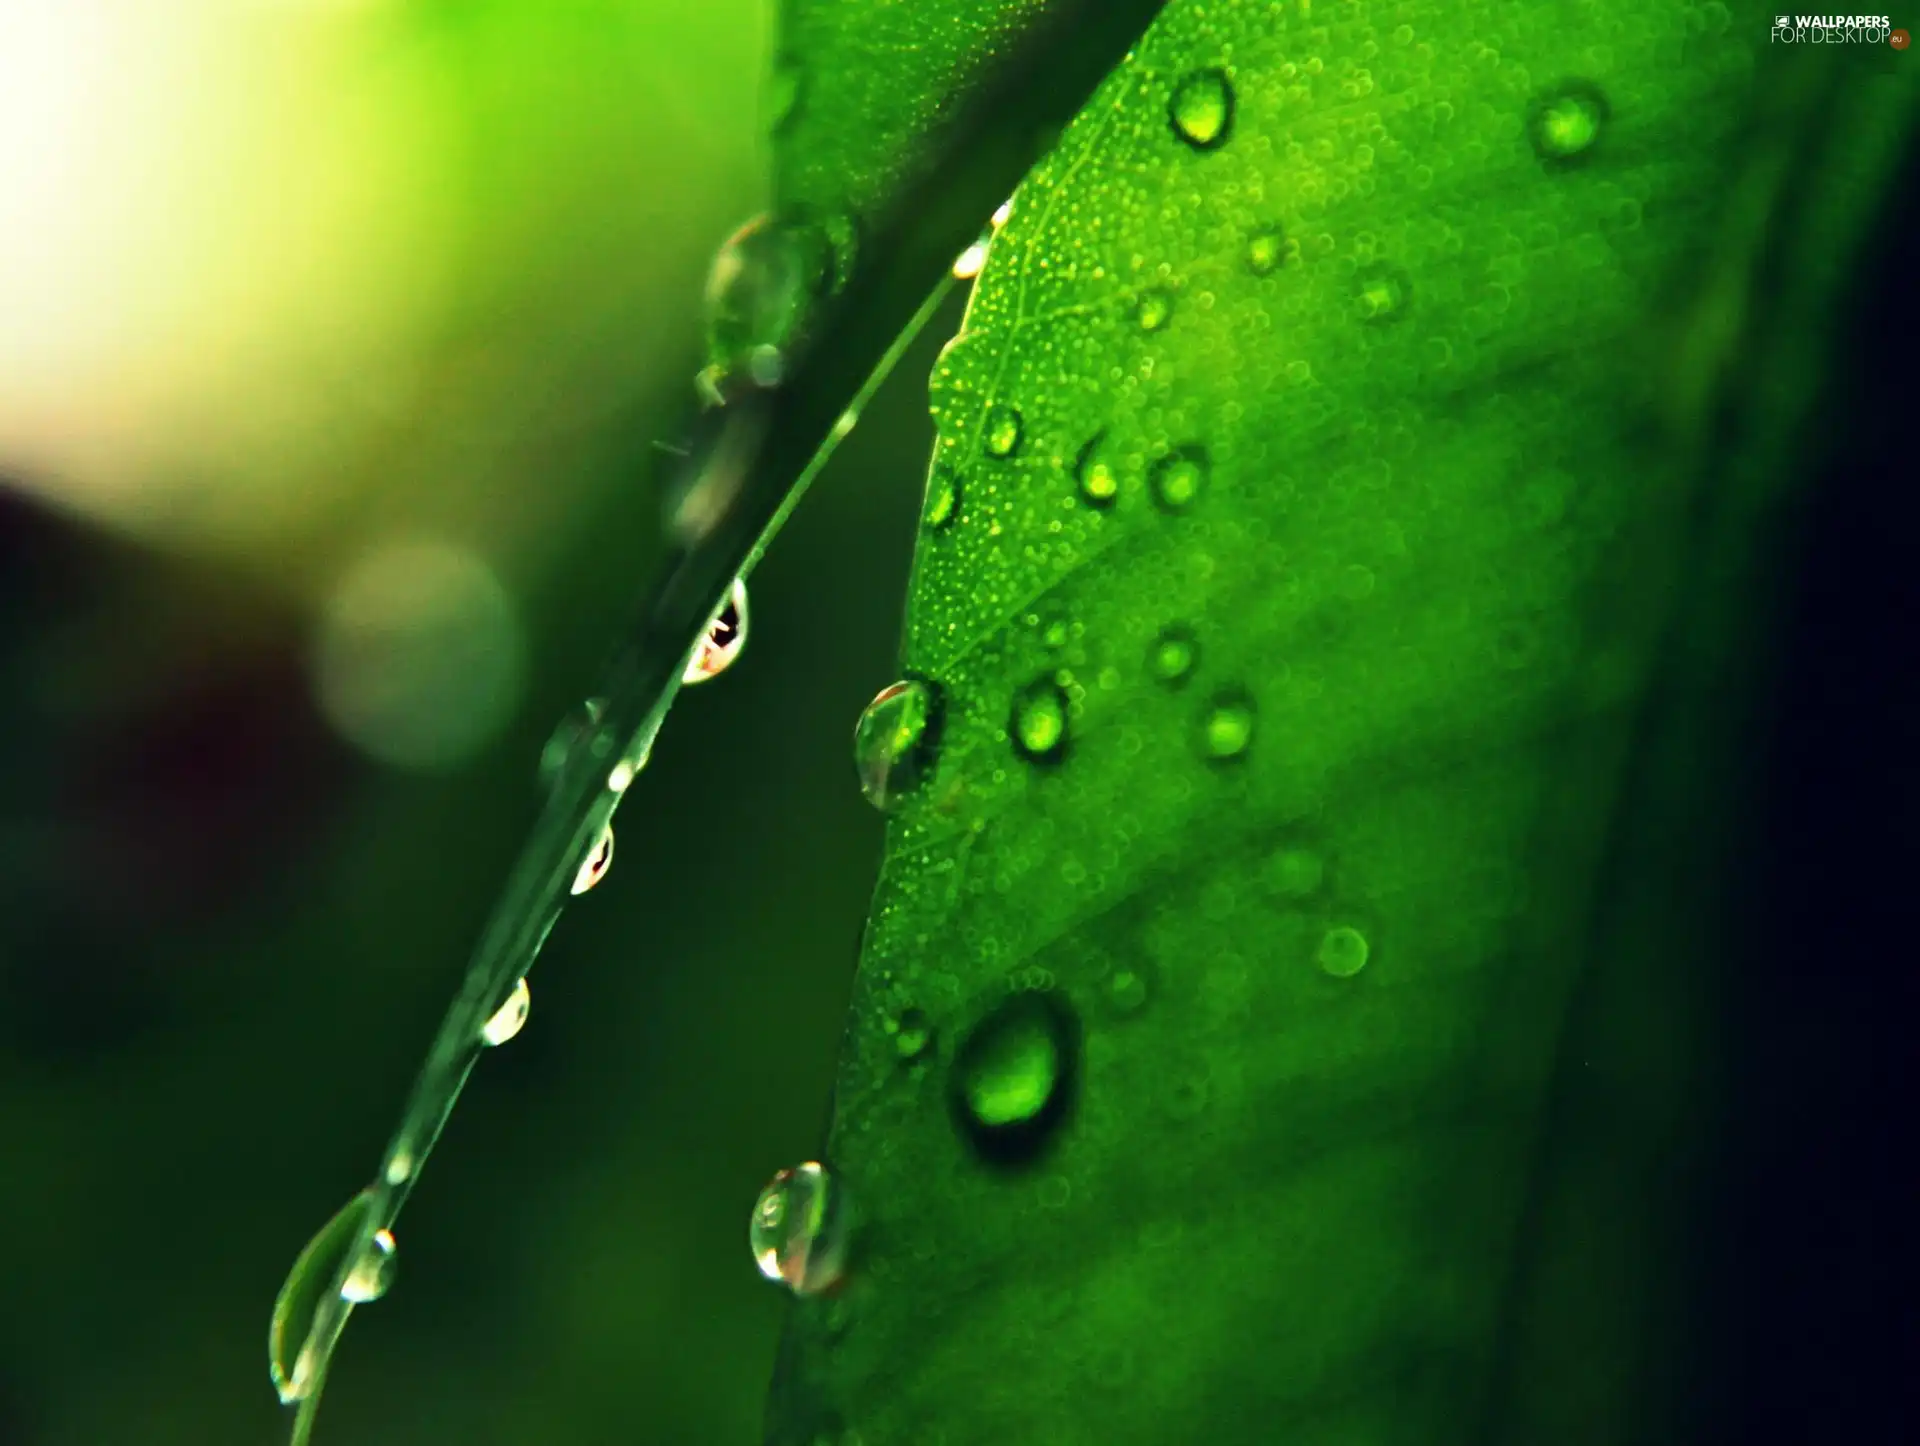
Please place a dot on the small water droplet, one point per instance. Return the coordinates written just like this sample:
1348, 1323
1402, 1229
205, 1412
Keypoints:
760, 293
1343, 952
1038, 724
1003, 432
1564, 122
372, 1274
400, 1167
1094, 474
510, 1017
1380, 293
1178, 478
598, 860
896, 740
970, 262
1154, 309
1055, 634
912, 1034
1201, 110
1226, 727
1173, 655
1126, 990
1266, 250
1013, 1078
943, 498
309, 1312
798, 1233
725, 636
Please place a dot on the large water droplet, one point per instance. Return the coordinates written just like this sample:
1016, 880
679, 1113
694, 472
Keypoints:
1154, 309
1094, 474
593, 868
1564, 122
725, 636
1343, 952
1266, 250
896, 739
1226, 727
798, 1233
510, 1017
1038, 724
1178, 478
1014, 1076
943, 498
760, 293
1380, 293
310, 1311
1173, 655
1201, 110
1004, 431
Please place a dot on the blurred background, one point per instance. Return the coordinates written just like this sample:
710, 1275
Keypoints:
337, 339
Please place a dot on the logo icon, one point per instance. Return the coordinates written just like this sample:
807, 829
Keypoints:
1898, 40
1783, 22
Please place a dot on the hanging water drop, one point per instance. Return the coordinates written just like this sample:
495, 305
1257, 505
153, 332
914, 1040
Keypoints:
1226, 727
1038, 723
1014, 1076
311, 1309
510, 1017
798, 1233
1004, 431
1564, 123
725, 636
598, 860
1173, 655
1201, 110
1178, 478
1154, 309
1094, 475
760, 292
896, 740
1343, 952
943, 498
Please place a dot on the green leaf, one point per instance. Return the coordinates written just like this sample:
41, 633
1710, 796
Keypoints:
1344, 579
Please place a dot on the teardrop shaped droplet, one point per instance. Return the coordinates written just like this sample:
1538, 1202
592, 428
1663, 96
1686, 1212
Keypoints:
1173, 655
943, 498
1094, 475
1564, 122
1201, 110
1343, 952
1014, 1076
1154, 309
726, 635
798, 1234
573, 731
1178, 478
311, 1310
599, 859
1266, 250
1038, 724
1226, 727
1380, 294
896, 740
1004, 431
760, 294
510, 1018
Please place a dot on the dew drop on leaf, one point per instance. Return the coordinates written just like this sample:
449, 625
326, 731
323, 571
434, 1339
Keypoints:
895, 741
1173, 655
1154, 309
1343, 952
307, 1314
1380, 294
1004, 431
1038, 725
912, 1034
508, 1020
1201, 110
1014, 1075
798, 1233
1226, 727
599, 859
1094, 475
725, 636
1178, 478
1266, 250
943, 498
1565, 122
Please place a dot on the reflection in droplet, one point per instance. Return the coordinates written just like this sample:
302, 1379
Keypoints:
1038, 724
510, 1017
1343, 952
1226, 727
1004, 430
1173, 655
1094, 475
798, 1233
1201, 110
598, 860
896, 740
725, 636
1179, 477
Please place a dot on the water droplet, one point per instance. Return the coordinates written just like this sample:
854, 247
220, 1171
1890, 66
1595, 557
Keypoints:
1226, 728
309, 1312
896, 740
1038, 725
1126, 991
571, 732
1343, 952
1013, 1078
510, 1017
1266, 250
725, 636
1565, 122
1296, 872
1179, 477
912, 1034
1154, 309
760, 293
1201, 110
943, 498
1380, 293
1094, 475
1055, 633
1173, 655
598, 860
1004, 431
798, 1233
970, 262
